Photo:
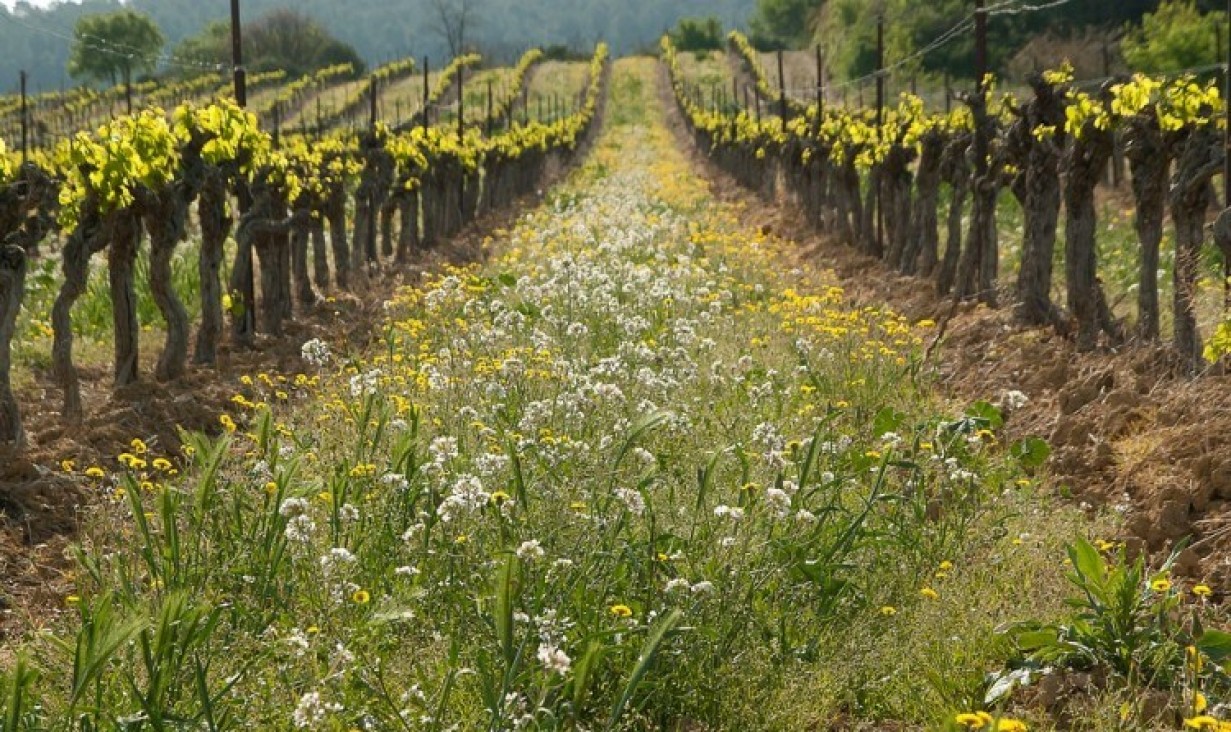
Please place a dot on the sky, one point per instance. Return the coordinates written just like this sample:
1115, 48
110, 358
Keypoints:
37, 3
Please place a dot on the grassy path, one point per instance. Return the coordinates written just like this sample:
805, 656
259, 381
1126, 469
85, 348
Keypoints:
630, 473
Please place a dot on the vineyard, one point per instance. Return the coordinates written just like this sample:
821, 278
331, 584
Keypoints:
650, 394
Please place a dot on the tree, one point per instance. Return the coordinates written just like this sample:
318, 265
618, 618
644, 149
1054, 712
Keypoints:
211, 46
454, 20
110, 46
783, 23
282, 39
296, 43
1173, 38
698, 34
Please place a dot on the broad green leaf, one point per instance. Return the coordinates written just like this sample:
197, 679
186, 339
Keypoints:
1216, 644
1031, 452
986, 411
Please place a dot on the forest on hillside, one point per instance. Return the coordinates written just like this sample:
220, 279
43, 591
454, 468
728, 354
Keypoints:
1088, 32
38, 40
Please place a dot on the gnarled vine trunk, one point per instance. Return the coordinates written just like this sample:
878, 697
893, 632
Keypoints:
12, 290
923, 244
1191, 194
980, 261
1149, 160
955, 168
166, 215
300, 236
90, 236
335, 213
408, 233
897, 182
320, 254
215, 225
1084, 166
125, 226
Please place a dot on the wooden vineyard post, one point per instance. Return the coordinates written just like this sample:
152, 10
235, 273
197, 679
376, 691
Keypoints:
247, 327
373, 101
1226, 162
781, 91
820, 85
25, 120
985, 252
427, 92
237, 57
1116, 169
879, 246
461, 104
490, 104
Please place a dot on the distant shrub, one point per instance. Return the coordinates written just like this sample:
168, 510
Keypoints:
697, 34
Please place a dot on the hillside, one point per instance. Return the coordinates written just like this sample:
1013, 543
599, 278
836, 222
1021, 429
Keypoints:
38, 40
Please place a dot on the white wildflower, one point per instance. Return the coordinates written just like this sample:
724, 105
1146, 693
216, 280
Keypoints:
292, 507
554, 660
530, 550
779, 501
316, 352
365, 384
678, 583
632, 499
1013, 400
312, 710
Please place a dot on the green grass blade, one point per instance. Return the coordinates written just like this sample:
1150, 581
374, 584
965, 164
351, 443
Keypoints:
646, 659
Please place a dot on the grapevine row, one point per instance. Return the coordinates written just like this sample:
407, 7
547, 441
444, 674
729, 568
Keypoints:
140, 176
751, 61
839, 165
503, 107
354, 103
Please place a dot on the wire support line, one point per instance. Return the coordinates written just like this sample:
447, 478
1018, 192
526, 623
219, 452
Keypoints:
1023, 9
111, 48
